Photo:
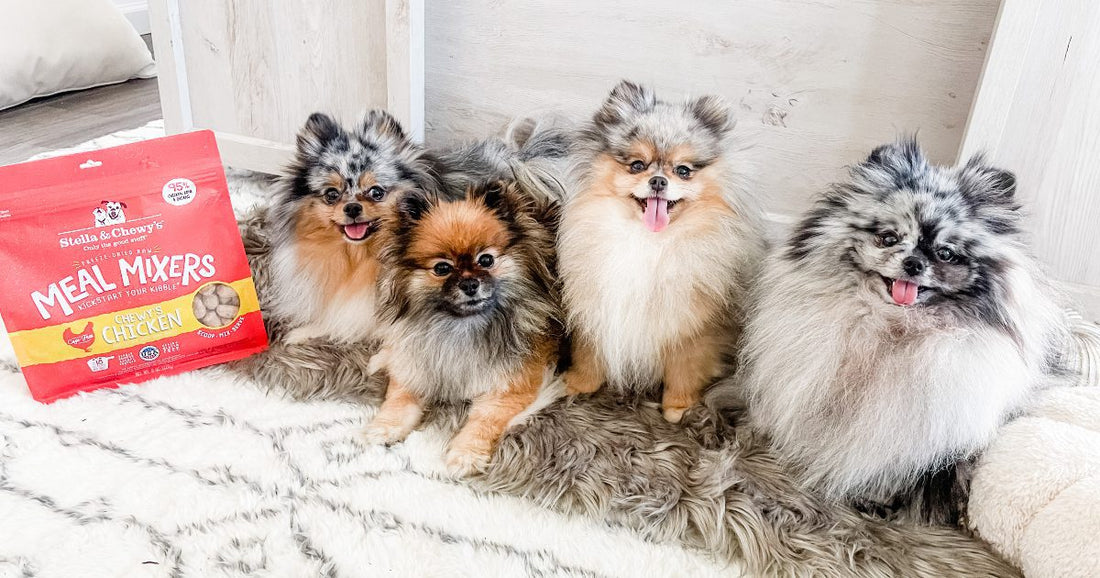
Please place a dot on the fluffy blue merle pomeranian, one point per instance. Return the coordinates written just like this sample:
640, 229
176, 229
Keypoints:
902, 322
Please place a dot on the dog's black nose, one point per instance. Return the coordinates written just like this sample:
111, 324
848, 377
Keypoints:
353, 210
913, 266
658, 184
469, 286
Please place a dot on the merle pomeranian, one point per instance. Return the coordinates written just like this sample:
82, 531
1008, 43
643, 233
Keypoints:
657, 247
330, 223
471, 304
902, 323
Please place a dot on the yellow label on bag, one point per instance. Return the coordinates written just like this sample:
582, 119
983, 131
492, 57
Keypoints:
120, 329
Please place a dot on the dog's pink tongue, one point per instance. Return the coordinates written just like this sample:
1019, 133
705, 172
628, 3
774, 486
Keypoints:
656, 214
903, 292
356, 231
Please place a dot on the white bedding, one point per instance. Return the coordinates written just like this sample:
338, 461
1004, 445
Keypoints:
52, 46
1036, 491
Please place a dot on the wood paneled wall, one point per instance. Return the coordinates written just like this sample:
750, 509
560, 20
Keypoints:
253, 70
816, 83
1038, 113
265, 66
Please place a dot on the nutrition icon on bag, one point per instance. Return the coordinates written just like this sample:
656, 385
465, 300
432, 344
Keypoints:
100, 363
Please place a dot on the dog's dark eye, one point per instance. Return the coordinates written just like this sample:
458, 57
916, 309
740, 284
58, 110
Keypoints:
376, 193
331, 195
486, 261
888, 239
683, 171
946, 255
637, 167
442, 269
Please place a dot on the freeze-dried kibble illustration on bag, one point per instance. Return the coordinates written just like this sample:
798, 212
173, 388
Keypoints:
216, 305
124, 264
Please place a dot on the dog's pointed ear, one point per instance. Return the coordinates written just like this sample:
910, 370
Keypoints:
713, 113
1002, 182
493, 195
978, 179
104, 202
904, 152
898, 165
625, 100
319, 130
501, 197
382, 122
412, 207
123, 205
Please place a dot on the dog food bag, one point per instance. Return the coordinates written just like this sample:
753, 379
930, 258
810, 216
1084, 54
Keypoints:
123, 264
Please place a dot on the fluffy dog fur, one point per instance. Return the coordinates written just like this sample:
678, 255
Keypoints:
532, 153
598, 456
472, 312
870, 389
650, 303
330, 223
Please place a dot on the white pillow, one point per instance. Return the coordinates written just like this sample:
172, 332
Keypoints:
50, 46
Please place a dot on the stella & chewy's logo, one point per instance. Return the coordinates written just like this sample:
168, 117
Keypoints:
149, 352
110, 227
82, 340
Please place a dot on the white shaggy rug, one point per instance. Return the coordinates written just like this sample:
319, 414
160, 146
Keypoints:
206, 475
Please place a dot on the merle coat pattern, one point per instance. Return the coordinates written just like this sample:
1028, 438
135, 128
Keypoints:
871, 396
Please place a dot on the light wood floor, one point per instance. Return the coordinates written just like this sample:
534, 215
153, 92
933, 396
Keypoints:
71, 118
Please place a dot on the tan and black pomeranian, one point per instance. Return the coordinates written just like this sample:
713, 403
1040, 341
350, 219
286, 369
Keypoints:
330, 223
472, 312
657, 247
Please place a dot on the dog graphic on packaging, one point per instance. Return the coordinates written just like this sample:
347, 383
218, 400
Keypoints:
110, 213
100, 217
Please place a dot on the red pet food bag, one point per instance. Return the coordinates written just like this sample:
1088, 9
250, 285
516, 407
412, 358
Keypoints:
123, 264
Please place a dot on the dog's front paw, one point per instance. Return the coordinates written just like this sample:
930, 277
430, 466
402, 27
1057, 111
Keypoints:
674, 414
468, 457
384, 433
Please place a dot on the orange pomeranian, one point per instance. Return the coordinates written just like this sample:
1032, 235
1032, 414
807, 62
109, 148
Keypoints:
468, 292
657, 248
